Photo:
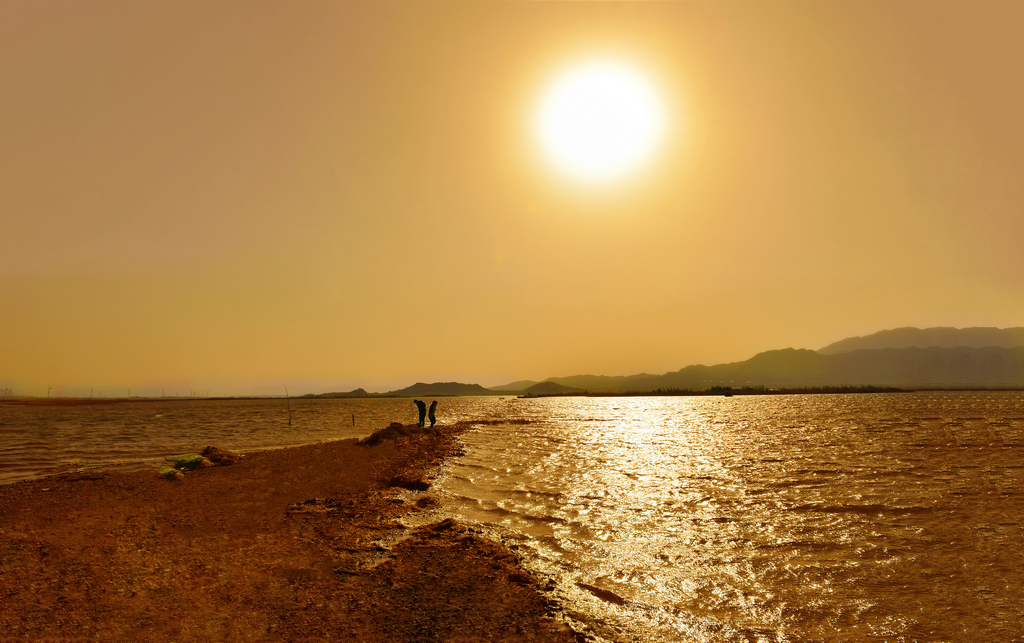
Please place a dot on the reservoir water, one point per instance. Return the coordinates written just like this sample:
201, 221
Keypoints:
43, 438
882, 517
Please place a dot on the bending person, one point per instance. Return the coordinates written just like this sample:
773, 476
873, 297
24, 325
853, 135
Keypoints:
422, 406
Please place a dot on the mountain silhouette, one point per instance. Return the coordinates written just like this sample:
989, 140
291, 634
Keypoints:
550, 388
513, 387
356, 393
439, 389
901, 357
907, 367
942, 337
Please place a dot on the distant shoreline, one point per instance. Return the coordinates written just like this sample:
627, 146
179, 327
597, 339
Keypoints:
731, 392
712, 392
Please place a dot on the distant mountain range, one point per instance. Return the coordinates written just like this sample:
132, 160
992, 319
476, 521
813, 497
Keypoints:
909, 357
942, 337
901, 357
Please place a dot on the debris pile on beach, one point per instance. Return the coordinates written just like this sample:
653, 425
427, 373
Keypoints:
210, 456
220, 457
396, 430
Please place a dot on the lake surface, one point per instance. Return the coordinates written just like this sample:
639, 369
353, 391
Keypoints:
42, 439
883, 517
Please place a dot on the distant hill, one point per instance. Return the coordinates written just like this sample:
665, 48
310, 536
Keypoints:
601, 382
550, 388
901, 357
439, 389
514, 387
578, 382
907, 367
942, 337
356, 393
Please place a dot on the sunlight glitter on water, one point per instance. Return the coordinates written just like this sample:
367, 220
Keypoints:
804, 518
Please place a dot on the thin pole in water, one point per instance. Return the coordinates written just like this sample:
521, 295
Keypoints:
289, 401
353, 419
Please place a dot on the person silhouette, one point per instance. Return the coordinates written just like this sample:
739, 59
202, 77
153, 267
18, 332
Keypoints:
422, 406
433, 419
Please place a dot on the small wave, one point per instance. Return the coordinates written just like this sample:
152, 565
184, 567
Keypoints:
806, 545
28, 463
797, 483
818, 472
863, 509
501, 511
469, 465
555, 495
16, 447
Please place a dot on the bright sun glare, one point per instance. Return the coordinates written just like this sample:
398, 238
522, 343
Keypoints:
599, 121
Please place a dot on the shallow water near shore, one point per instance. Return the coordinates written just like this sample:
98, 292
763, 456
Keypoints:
46, 437
882, 517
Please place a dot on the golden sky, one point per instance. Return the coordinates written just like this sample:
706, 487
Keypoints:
238, 197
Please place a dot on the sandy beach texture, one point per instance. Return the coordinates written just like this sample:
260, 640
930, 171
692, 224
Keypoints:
314, 543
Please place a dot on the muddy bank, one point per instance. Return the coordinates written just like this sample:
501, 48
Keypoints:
327, 542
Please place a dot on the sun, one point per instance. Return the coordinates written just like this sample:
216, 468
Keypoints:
599, 121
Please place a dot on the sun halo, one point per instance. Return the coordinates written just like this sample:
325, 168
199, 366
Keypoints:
599, 121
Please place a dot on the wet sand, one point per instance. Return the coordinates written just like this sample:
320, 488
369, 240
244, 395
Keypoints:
313, 543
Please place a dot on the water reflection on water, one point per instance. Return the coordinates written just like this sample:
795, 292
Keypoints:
890, 517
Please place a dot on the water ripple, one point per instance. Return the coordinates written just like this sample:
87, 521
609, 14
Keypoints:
789, 518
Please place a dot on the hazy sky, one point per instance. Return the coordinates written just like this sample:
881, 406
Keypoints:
244, 196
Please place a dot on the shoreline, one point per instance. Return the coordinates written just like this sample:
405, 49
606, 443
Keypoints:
328, 541
711, 392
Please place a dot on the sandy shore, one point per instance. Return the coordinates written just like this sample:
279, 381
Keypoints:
304, 544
